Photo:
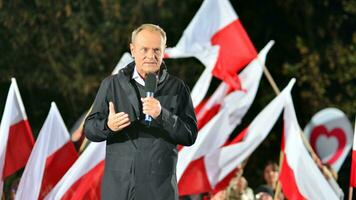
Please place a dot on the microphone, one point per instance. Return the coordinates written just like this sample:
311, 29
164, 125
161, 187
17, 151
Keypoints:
150, 87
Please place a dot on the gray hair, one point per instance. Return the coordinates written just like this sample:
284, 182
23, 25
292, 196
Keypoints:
151, 27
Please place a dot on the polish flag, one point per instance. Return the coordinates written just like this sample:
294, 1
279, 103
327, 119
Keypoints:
300, 177
217, 38
224, 122
214, 171
52, 156
83, 179
206, 110
353, 164
16, 135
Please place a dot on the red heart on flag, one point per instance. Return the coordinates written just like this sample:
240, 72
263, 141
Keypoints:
338, 133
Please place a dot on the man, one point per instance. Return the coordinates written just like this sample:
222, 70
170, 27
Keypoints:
141, 160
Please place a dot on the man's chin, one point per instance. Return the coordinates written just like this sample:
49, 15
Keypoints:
151, 68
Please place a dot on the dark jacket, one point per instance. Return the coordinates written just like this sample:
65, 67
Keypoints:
141, 161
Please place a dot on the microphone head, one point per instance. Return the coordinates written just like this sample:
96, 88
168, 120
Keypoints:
151, 82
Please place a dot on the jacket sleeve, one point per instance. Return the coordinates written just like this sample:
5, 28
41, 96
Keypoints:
182, 128
95, 125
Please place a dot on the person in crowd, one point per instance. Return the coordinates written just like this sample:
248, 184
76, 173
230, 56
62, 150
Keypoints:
264, 192
238, 189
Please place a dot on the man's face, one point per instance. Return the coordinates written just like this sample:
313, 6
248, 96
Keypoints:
147, 50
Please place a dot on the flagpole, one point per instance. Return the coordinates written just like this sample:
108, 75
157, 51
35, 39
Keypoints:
305, 141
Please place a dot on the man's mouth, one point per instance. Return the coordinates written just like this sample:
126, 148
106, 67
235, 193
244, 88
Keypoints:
150, 63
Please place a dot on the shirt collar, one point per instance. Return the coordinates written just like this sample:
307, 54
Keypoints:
137, 77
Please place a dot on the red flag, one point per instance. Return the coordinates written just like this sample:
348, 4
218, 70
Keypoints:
16, 136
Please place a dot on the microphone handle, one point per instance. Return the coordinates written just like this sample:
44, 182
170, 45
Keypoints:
148, 118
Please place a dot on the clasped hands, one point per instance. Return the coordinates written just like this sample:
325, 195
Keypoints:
118, 121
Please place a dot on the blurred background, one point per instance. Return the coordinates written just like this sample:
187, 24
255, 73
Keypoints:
61, 50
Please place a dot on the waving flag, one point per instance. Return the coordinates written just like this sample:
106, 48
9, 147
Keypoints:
217, 38
217, 166
215, 133
83, 179
300, 177
52, 156
353, 164
16, 136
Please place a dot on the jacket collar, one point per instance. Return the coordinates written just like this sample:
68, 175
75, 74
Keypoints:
162, 75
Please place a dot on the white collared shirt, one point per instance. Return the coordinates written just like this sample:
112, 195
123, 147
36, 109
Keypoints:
137, 77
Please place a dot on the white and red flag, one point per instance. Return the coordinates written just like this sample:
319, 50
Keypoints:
224, 161
353, 164
300, 177
213, 171
217, 38
16, 136
51, 157
216, 132
83, 179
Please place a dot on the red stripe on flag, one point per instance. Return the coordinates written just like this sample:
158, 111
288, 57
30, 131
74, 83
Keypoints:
353, 170
88, 186
287, 179
238, 138
194, 179
208, 115
56, 166
19, 146
236, 51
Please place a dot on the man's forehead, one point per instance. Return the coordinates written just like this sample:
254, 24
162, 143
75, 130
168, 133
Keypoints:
148, 36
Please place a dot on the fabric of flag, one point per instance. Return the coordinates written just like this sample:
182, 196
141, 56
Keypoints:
16, 135
218, 167
83, 179
300, 177
353, 162
216, 132
217, 38
51, 157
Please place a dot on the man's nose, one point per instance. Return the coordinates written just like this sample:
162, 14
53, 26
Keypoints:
150, 54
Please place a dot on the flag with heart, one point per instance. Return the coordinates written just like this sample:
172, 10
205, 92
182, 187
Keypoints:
330, 135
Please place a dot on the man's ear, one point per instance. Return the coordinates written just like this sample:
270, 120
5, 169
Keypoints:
132, 49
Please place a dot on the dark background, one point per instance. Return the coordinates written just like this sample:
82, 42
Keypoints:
61, 50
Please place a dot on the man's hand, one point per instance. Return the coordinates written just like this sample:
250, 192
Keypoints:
151, 106
117, 121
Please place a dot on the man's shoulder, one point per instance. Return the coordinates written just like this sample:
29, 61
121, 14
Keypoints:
175, 79
109, 78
